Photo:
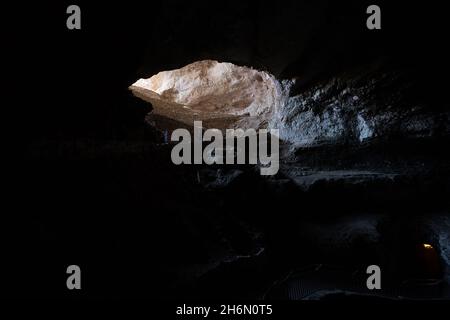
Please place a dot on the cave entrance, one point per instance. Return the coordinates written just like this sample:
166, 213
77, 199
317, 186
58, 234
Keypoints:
219, 94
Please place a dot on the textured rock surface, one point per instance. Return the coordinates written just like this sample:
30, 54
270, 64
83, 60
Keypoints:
206, 90
356, 108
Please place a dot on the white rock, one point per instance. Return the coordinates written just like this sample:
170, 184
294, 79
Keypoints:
207, 90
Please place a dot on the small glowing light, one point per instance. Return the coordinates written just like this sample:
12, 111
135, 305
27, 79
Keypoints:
427, 246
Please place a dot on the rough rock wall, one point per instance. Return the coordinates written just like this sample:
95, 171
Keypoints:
353, 107
356, 108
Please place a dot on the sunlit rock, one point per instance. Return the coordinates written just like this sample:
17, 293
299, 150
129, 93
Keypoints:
217, 93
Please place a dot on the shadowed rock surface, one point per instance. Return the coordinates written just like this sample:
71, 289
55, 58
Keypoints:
357, 106
364, 174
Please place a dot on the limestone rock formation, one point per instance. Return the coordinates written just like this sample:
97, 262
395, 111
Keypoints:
356, 108
217, 93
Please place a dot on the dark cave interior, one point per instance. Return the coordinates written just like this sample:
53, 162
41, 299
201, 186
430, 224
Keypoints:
94, 184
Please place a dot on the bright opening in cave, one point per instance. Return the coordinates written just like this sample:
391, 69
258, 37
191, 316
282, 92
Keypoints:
209, 89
